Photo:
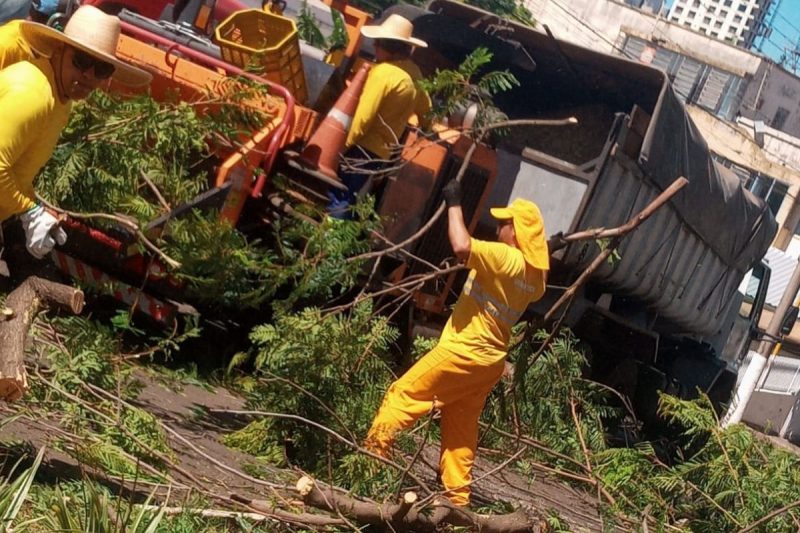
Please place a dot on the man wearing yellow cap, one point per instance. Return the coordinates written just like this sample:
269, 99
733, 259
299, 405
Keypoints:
36, 96
458, 374
391, 95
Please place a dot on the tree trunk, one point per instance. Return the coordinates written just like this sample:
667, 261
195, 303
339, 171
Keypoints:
407, 515
24, 303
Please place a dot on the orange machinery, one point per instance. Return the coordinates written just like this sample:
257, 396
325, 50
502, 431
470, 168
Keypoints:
242, 172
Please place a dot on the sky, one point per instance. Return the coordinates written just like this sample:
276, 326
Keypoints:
785, 32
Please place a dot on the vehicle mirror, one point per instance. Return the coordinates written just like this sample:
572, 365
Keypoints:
789, 320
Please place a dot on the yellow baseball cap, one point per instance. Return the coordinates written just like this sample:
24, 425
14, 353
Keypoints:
529, 227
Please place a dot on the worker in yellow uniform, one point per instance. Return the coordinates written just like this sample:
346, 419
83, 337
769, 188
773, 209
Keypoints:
36, 96
391, 95
458, 374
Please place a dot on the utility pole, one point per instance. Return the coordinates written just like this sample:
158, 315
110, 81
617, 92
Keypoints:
758, 361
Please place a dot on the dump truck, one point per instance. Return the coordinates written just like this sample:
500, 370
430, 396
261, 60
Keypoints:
665, 316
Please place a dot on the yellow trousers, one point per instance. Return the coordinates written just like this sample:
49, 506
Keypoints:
457, 385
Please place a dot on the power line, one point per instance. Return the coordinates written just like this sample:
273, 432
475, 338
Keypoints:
789, 22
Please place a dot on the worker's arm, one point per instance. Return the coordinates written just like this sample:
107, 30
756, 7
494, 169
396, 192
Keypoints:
369, 104
422, 108
457, 231
18, 128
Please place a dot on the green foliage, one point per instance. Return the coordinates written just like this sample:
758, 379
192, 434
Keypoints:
111, 143
85, 507
145, 427
723, 479
510, 9
257, 440
326, 369
614, 257
550, 387
115, 151
14, 490
107, 457
220, 265
338, 37
308, 28
87, 353
454, 90
314, 258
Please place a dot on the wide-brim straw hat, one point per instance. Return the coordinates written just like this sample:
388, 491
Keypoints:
395, 28
93, 32
529, 227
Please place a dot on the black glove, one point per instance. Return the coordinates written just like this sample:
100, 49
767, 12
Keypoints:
452, 194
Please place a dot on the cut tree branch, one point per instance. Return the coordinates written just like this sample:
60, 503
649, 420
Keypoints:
25, 302
408, 515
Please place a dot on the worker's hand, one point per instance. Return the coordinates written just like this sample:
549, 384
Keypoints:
452, 194
41, 231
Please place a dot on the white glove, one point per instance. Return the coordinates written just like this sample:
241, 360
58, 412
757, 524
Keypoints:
41, 231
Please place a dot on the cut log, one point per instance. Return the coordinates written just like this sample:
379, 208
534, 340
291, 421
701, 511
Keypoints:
25, 302
407, 515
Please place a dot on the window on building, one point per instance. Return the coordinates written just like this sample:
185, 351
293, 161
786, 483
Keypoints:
678, 10
707, 20
779, 119
768, 189
695, 82
737, 19
723, 13
727, 3
742, 7
718, 24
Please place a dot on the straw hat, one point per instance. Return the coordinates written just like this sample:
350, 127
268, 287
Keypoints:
529, 227
396, 28
92, 31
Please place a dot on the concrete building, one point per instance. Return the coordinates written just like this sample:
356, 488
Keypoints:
738, 22
724, 79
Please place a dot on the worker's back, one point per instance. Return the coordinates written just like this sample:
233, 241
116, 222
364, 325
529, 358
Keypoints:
13, 47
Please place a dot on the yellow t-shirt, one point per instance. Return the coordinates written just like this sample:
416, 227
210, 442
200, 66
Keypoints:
499, 288
390, 96
13, 47
31, 120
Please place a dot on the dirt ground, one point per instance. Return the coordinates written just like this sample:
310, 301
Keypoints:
201, 454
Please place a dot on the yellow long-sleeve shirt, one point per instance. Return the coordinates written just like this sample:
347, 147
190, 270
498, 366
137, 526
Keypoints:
13, 46
499, 288
31, 120
389, 98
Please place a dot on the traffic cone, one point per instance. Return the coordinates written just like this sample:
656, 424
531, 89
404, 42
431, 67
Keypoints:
323, 148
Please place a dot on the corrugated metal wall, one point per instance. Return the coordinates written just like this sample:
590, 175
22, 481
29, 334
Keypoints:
663, 262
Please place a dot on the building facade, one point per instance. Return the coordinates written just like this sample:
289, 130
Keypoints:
738, 22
